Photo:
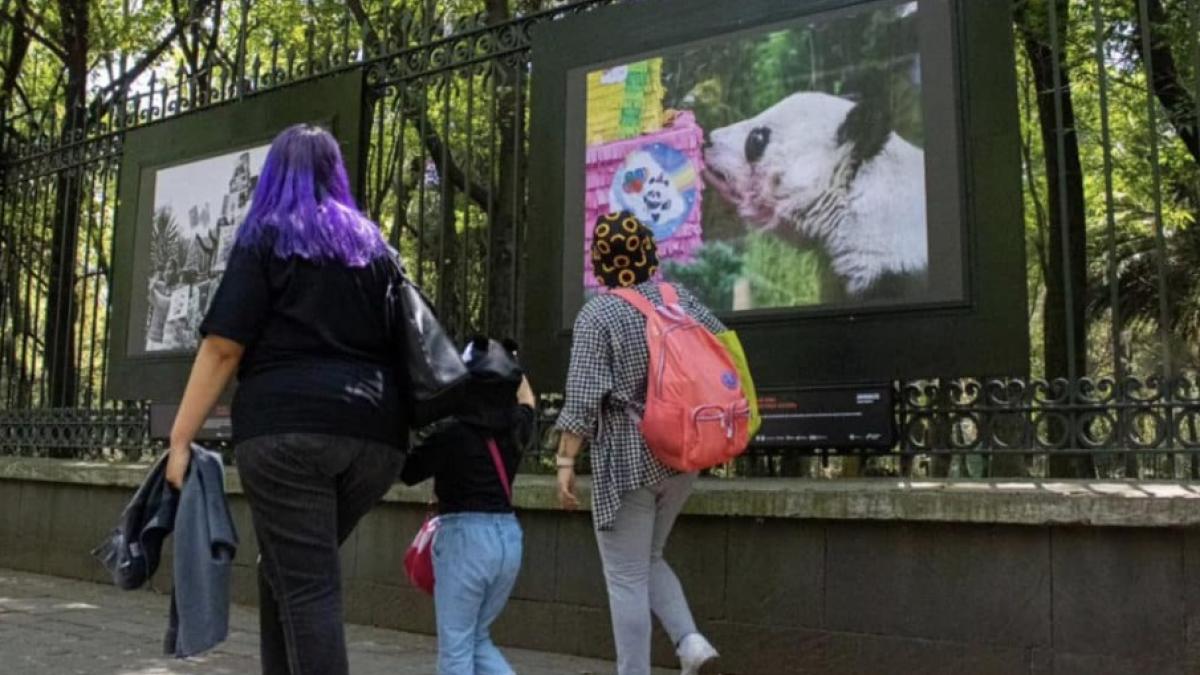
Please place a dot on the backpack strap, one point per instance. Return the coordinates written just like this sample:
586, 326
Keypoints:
499, 462
670, 296
639, 301
671, 309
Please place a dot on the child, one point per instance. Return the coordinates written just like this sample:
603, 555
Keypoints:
477, 548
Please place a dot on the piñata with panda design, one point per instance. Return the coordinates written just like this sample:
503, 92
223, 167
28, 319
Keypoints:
643, 160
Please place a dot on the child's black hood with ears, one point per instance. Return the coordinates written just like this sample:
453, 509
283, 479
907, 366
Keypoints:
490, 361
491, 394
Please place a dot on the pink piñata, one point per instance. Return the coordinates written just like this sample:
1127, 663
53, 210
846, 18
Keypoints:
657, 177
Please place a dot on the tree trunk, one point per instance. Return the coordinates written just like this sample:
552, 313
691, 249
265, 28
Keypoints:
18, 48
451, 303
502, 315
16, 379
1064, 323
61, 306
1172, 94
18, 383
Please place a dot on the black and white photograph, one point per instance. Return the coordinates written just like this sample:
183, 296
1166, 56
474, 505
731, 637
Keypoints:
198, 207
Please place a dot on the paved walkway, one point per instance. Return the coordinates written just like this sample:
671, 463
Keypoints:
52, 626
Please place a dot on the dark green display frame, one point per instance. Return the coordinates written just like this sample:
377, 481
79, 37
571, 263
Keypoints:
983, 334
335, 103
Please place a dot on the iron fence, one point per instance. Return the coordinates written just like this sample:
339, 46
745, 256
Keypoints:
1108, 92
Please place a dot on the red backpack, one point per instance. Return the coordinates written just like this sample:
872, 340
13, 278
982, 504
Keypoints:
697, 415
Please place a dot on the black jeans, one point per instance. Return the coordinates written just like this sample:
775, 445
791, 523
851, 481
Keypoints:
306, 494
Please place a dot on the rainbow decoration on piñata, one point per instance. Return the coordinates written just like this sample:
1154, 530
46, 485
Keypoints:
637, 163
659, 185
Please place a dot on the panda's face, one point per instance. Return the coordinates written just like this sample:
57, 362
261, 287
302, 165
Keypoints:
645, 187
770, 165
648, 191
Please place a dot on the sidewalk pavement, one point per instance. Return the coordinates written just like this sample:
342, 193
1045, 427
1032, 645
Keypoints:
53, 626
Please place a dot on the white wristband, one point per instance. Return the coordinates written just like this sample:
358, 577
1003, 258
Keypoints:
564, 462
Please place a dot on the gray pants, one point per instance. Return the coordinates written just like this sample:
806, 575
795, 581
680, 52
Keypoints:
638, 578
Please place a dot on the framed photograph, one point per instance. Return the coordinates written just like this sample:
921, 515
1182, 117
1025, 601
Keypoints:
780, 167
186, 185
808, 171
197, 207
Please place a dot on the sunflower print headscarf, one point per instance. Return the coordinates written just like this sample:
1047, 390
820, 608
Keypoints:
623, 251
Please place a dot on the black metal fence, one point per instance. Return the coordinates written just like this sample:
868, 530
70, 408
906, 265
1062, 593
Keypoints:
1109, 96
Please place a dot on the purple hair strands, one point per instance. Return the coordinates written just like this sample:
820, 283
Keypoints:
302, 205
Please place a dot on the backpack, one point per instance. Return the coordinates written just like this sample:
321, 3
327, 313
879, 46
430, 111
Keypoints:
697, 415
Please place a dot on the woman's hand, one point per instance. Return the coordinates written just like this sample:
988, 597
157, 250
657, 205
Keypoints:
525, 395
566, 488
177, 465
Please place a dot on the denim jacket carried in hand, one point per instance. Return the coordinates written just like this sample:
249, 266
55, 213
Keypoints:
205, 542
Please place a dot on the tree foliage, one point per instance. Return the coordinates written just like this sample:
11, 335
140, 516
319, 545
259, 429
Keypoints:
1139, 170
1116, 211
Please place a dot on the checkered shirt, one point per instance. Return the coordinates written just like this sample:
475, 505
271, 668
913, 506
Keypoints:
606, 395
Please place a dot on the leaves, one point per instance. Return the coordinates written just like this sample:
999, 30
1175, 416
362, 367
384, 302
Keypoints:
781, 275
1113, 100
283, 31
164, 239
712, 276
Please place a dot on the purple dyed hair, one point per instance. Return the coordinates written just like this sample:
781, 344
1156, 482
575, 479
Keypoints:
302, 204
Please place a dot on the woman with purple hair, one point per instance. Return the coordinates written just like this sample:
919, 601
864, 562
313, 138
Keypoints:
318, 425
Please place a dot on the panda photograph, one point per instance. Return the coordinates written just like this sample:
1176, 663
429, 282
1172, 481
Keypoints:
778, 167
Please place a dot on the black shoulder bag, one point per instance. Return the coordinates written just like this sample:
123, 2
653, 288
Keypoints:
434, 370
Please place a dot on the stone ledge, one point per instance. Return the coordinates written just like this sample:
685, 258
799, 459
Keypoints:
1015, 502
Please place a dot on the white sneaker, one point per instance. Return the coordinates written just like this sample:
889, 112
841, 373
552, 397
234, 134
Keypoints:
694, 651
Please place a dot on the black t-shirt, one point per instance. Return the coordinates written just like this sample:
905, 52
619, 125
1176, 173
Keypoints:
464, 474
320, 356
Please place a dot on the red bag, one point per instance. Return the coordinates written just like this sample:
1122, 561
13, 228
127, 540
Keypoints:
697, 415
418, 559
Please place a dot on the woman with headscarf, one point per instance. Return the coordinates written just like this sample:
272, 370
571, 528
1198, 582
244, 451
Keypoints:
635, 498
301, 316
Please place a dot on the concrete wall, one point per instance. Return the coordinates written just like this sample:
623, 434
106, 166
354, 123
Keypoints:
784, 576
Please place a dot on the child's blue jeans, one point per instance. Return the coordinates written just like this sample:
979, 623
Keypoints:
476, 558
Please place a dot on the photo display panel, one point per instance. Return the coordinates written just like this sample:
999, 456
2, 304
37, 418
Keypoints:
840, 180
782, 167
186, 185
197, 207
